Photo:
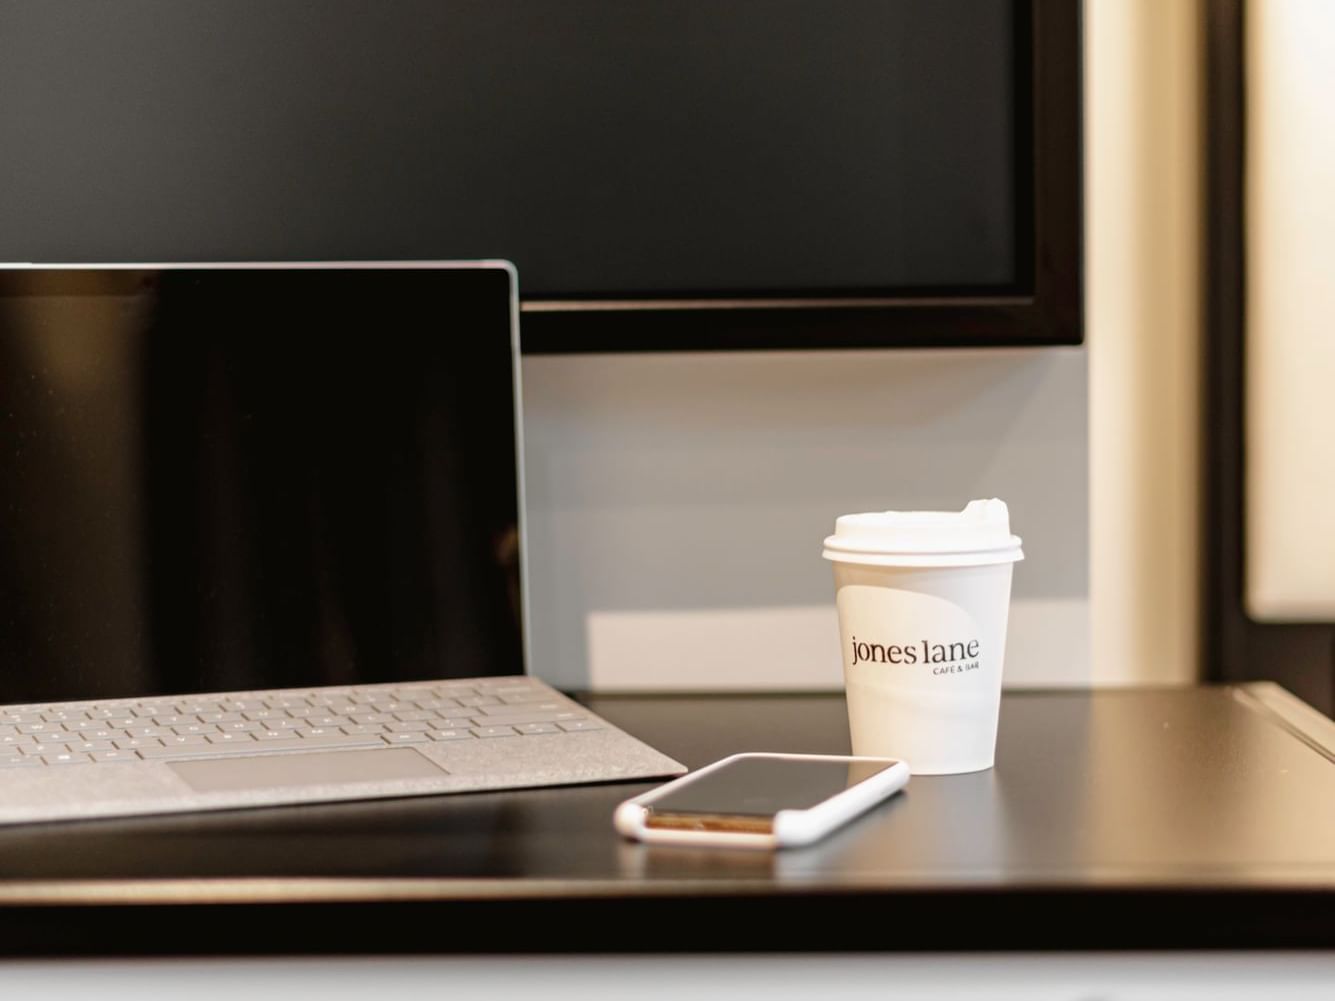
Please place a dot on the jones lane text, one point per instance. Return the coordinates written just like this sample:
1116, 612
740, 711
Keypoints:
921, 652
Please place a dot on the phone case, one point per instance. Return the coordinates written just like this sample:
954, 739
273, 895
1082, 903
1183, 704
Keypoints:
791, 828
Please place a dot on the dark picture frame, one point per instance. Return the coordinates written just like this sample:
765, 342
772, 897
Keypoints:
1235, 647
1047, 309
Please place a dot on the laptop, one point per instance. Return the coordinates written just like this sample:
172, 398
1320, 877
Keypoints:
262, 542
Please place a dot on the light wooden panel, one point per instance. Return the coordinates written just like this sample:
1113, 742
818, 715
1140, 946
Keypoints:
1290, 337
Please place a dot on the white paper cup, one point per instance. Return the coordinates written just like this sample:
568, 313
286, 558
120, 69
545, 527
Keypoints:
923, 599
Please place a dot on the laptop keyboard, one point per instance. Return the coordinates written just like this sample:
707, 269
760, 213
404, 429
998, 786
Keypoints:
223, 725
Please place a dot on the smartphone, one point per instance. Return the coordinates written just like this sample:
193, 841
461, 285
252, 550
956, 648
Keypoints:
761, 800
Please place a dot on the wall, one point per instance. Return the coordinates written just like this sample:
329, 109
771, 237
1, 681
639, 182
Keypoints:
677, 503
1290, 351
1142, 178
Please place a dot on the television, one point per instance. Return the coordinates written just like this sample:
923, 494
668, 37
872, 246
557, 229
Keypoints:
666, 174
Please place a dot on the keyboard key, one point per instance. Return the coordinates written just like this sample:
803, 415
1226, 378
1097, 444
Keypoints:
285, 702
531, 728
534, 717
337, 739
436, 704
276, 735
79, 725
454, 722
229, 738
363, 728
478, 700
324, 720
67, 758
136, 743
520, 698
524, 709
19, 761
404, 738
115, 756
184, 740
11, 739
494, 731
89, 746
40, 728
450, 734
259, 747
101, 733
414, 715
62, 739
576, 725
392, 706
189, 728
46, 747
408, 727
146, 731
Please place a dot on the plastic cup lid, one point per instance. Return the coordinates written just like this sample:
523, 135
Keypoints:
978, 534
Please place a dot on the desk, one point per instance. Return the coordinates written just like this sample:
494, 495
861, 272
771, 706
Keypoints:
1171, 818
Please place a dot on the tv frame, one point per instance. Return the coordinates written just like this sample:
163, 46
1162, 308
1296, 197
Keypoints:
1049, 312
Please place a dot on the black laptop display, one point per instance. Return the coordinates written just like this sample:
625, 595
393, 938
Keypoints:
255, 478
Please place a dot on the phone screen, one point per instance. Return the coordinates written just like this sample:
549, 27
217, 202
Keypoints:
761, 787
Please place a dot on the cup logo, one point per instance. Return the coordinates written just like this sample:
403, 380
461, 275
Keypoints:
945, 658
900, 637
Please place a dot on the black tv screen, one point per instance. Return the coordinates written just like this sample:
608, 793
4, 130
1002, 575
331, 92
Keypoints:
757, 147
248, 478
659, 155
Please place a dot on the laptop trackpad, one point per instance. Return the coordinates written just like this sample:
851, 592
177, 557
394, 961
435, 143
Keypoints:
309, 768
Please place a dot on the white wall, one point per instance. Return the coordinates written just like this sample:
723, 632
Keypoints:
1290, 339
1142, 226
676, 503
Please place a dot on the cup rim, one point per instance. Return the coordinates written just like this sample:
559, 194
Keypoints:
1011, 553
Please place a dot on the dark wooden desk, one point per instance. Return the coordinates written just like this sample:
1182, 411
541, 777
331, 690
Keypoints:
1172, 818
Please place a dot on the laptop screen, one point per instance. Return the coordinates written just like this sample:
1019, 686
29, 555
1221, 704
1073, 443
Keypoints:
229, 479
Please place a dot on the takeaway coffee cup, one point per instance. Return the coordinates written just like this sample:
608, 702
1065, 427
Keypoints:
923, 598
